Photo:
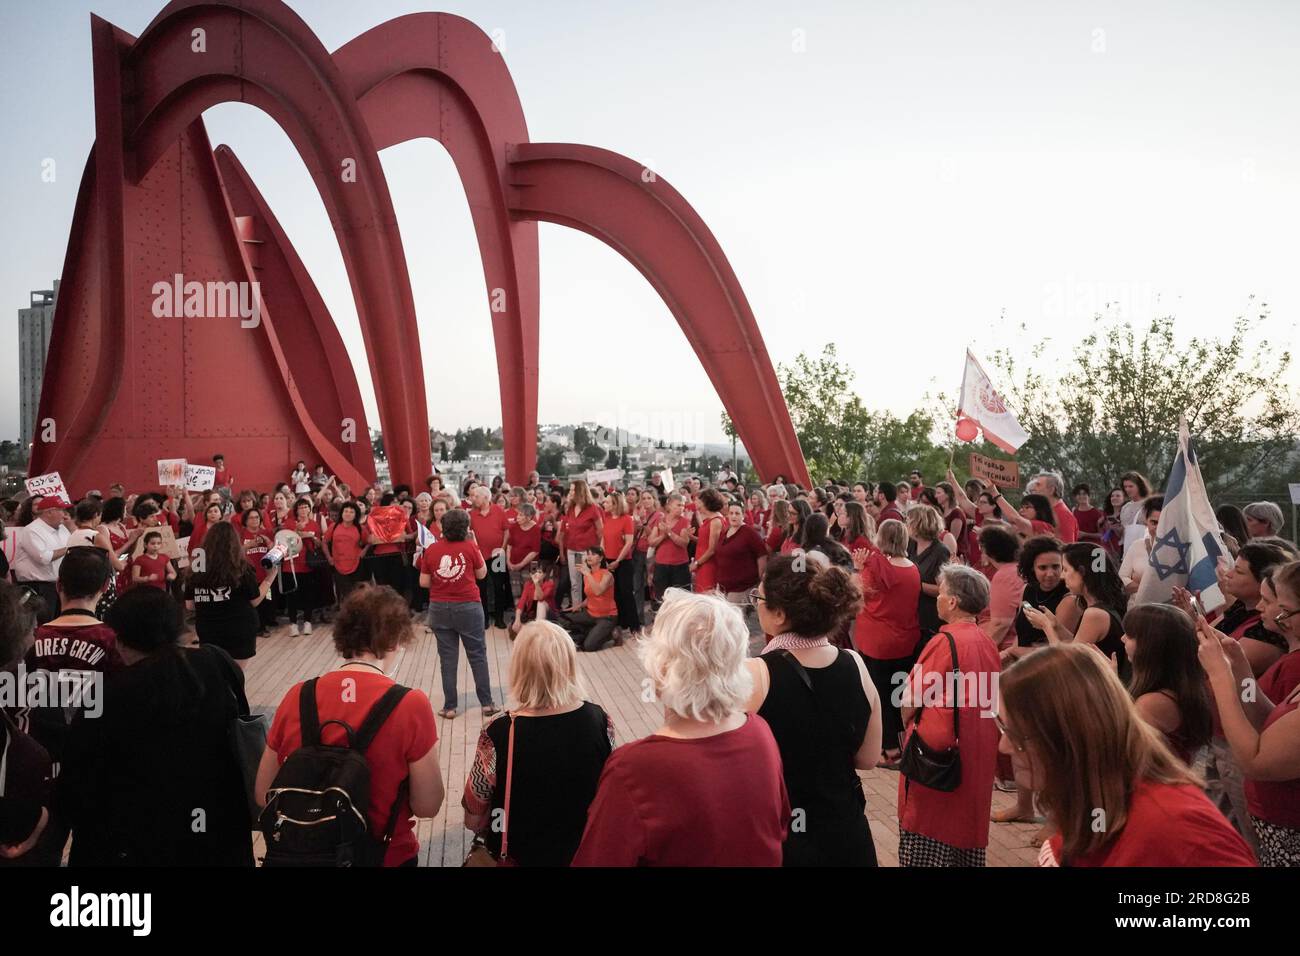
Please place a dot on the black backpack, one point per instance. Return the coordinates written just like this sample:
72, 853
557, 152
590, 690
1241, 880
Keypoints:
315, 812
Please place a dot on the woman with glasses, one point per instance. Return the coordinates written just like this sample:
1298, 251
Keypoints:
951, 828
1112, 790
1264, 730
822, 707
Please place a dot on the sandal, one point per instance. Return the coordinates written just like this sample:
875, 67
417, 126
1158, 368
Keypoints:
448, 713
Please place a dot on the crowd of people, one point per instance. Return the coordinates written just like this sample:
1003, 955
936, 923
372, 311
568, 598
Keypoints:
794, 637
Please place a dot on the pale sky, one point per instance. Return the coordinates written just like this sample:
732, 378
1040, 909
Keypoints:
913, 172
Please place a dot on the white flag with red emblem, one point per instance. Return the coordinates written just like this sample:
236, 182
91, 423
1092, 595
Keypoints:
981, 405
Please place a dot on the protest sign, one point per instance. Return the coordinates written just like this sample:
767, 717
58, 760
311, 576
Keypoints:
200, 477
606, 475
46, 486
170, 546
171, 472
1004, 474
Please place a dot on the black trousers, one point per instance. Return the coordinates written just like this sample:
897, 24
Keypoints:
625, 595
494, 592
390, 569
671, 576
887, 676
48, 593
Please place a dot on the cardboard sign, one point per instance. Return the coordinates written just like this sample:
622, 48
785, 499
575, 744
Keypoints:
666, 476
1004, 474
200, 477
47, 486
171, 472
183, 546
170, 546
607, 475
1295, 493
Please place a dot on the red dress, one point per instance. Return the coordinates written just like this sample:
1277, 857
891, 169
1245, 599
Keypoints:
959, 818
888, 627
706, 574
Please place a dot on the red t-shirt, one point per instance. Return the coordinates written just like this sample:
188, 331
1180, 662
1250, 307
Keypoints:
223, 478
775, 539
1168, 825
888, 628
713, 801
1089, 520
407, 735
346, 542
255, 554
299, 564
612, 534
737, 559
643, 533
450, 566
525, 541
1067, 529
1275, 801
580, 529
669, 551
156, 566
757, 517
489, 529
60, 647
1282, 677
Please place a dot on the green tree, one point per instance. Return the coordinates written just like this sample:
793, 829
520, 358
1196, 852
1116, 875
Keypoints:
592, 455
829, 417
461, 451
729, 429
442, 452
581, 439
1117, 406
377, 444
550, 459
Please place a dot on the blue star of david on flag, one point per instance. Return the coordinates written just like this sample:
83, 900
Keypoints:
1181, 549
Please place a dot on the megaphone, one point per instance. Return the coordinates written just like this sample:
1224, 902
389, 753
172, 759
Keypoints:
288, 544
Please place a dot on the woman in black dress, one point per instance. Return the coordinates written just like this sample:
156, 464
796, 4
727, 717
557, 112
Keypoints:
560, 744
153, 780
1098, 593
224, 595
924, 526
822, 707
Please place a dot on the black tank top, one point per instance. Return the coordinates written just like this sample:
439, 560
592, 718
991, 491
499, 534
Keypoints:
819, 732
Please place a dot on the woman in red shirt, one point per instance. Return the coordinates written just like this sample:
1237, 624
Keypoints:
938, 828
888, 629
1111, 788
759, 512
372, 624
580, 527
256, 542
954, 518
451, 569
618, 536
706, 788
669, 537
536, 598
647, 516
298, 579
705, 568
346, 545
1264, 733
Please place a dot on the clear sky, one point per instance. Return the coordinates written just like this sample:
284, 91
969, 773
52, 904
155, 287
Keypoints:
890, 175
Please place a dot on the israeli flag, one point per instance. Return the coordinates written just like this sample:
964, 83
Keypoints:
423, 538
1187, 546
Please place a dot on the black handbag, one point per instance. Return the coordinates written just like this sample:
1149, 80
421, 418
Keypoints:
922, 764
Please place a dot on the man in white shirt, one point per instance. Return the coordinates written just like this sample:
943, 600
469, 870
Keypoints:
40, 551
1137, 556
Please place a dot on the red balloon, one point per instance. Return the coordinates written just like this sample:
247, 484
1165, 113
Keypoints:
967, 430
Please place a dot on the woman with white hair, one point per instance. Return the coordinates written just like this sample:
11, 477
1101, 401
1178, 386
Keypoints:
706, 788
938, 827
544, 757
1263, 519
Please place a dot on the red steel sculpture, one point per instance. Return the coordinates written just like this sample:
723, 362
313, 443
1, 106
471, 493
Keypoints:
159, 213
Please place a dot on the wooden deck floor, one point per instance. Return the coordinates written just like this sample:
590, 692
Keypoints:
614, 680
